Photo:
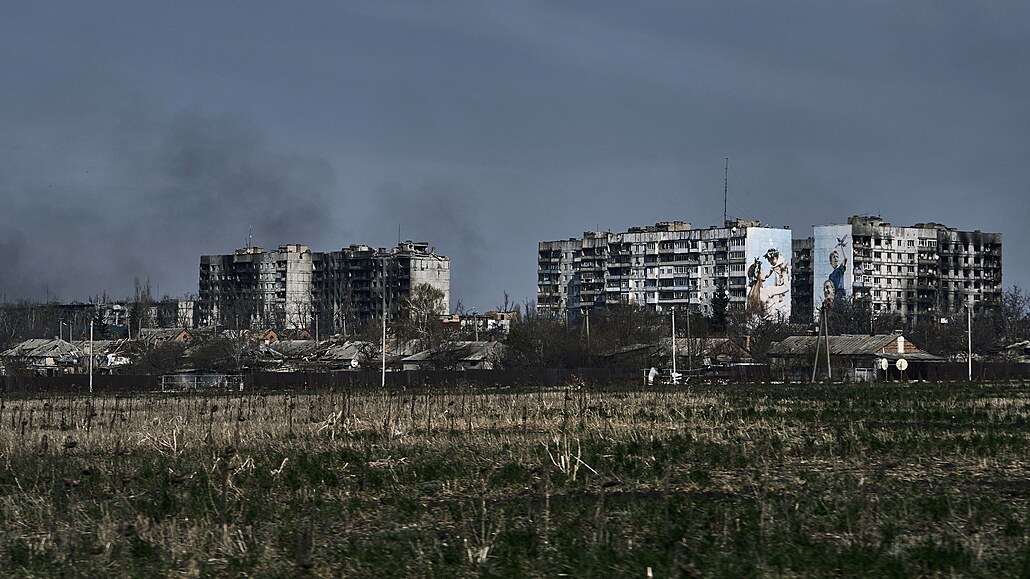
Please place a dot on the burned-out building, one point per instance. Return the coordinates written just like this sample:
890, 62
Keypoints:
294, 287
923, 270
348, 285
801, 280
252, 286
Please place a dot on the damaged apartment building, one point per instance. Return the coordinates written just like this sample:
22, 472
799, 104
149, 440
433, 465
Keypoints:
923, 271
293, 287
926, 270
668, 265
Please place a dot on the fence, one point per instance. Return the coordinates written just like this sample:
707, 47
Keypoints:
362, 379
79, 384
188, 382
521, 377
541, 377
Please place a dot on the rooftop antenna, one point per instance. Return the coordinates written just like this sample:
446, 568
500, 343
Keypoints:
250, 235
725, 188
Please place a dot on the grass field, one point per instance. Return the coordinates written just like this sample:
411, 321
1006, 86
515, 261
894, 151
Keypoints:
767, 480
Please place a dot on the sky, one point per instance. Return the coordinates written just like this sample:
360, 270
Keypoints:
137, 136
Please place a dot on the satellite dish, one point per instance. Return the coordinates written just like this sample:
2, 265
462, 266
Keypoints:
901, 364
883, 363
354, 363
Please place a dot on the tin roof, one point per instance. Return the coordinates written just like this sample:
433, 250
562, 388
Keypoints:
884, 346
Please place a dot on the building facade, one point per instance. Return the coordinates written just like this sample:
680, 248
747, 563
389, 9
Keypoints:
668, 265
353, 285
293, 287
555, 274
924, 270
253, 287
801, 280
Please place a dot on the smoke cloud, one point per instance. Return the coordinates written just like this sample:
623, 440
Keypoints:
169, 192
445, 214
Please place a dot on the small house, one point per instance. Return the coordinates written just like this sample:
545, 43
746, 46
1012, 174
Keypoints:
852, 358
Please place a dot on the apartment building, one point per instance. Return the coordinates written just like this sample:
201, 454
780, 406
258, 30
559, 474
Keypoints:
927, 269
555, 274
801, 280
253, 287
668, 265
293, 287
353, 285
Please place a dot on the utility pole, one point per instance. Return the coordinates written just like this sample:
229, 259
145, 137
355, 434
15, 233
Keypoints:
383, 285
690, 357
829, 369
674, 381
588, 331
91, 356
725, 188
969, 339
824, 334
818, 337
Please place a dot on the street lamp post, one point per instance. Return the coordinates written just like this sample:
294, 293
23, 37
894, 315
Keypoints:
969, 339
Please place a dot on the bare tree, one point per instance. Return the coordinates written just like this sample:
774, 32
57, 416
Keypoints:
420, 313
139, 308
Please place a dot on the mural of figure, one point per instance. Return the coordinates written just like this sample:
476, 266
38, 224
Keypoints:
756, 277
837, 275
828, 293
828, 296
765, 295
779, 268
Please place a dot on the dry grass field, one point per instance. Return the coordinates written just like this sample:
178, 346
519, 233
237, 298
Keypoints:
736, 480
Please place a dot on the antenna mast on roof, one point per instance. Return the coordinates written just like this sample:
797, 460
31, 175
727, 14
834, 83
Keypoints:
250, 235
725, 189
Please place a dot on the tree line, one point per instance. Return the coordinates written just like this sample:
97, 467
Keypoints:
538, 340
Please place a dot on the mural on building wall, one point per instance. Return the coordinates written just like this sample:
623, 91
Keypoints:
832, 254
768, 272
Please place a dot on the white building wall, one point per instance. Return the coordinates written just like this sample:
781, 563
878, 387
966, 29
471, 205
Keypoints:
671, 265
435, 271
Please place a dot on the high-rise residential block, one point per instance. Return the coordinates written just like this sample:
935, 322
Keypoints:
924, 270
668, 265
293, 287
353, 285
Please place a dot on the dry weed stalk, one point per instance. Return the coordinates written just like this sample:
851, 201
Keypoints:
484, 535
172, 444
564, 457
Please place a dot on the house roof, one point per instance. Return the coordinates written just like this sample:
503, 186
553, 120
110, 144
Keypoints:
99, 346
346, 351
883, 346
164, 334
294, 348
462, 351
709, 347
44, 348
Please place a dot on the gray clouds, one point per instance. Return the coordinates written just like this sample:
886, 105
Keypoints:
485, 127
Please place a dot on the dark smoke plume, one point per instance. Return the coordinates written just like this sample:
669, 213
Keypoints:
170, 192
443, 213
